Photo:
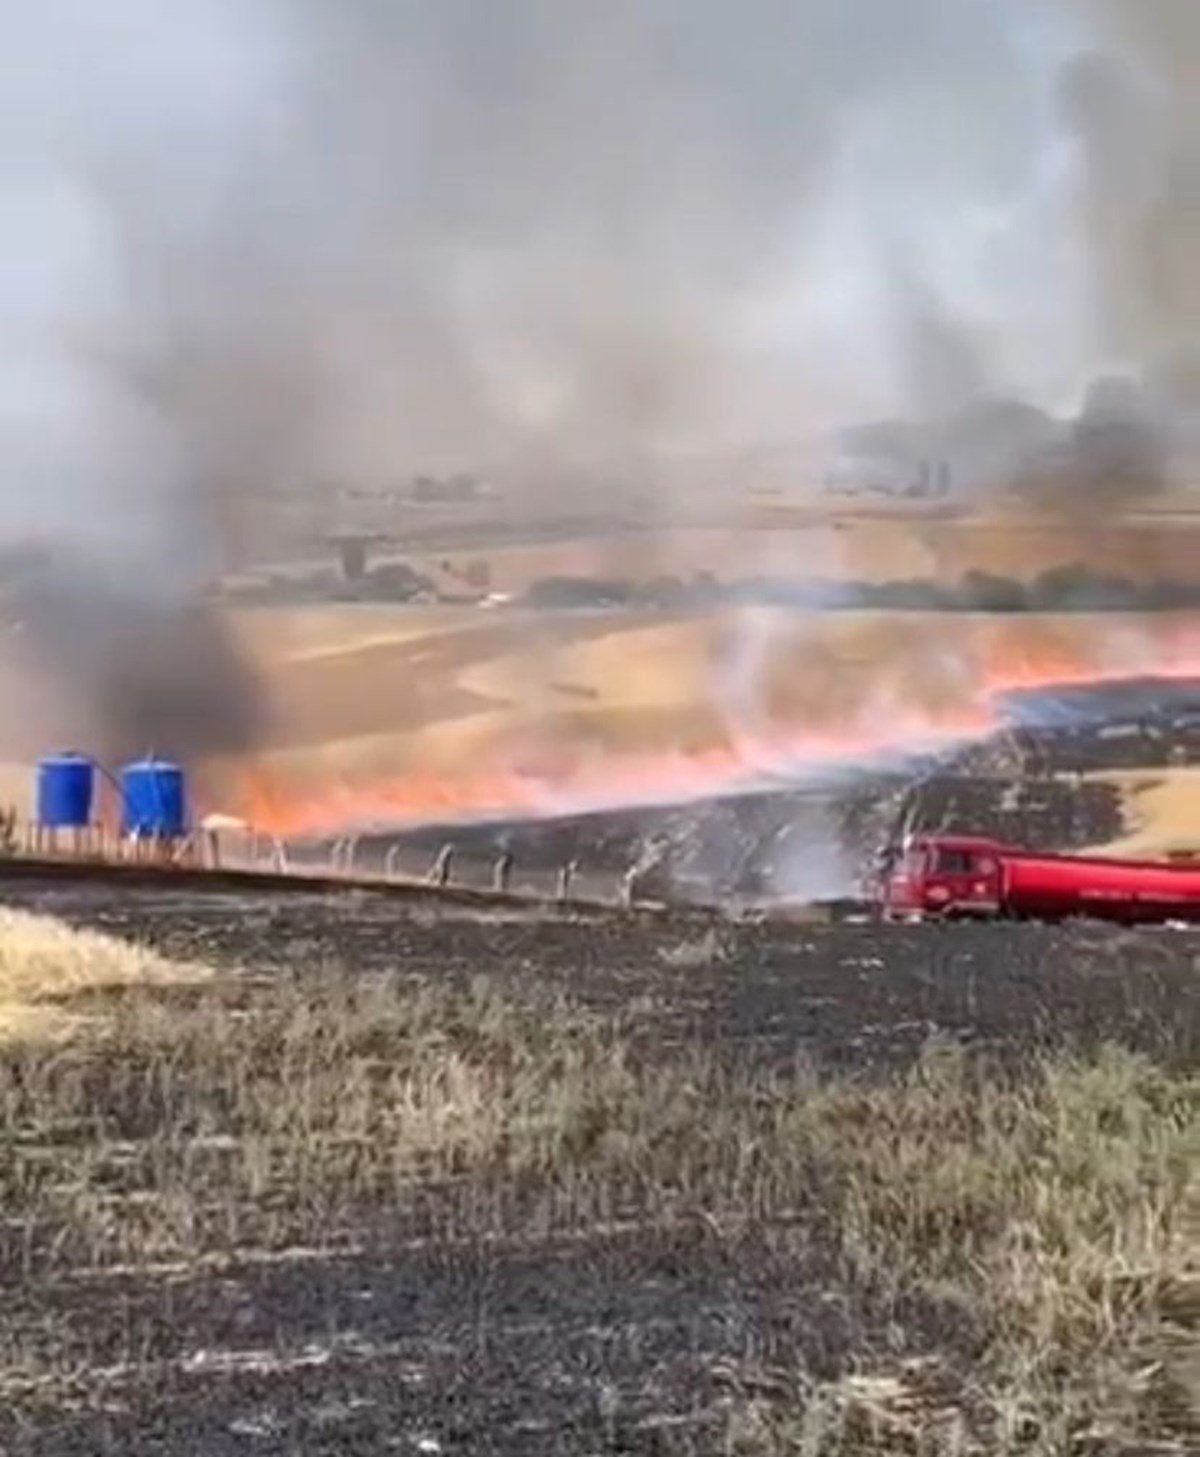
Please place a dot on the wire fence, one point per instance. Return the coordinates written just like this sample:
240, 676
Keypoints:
353, 858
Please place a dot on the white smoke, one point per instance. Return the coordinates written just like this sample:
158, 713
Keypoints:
809, 860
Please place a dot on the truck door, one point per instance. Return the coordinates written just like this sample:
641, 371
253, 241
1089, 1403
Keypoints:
901, 881
963, 881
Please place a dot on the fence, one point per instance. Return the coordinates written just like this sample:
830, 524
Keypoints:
353, 858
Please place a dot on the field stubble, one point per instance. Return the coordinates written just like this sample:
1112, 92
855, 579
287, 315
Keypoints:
530, 1186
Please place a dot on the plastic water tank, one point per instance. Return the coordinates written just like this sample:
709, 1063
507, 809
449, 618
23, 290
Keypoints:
66, 788
153, 799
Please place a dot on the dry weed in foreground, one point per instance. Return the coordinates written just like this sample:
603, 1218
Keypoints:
708, 949
44, 963
1004, 1240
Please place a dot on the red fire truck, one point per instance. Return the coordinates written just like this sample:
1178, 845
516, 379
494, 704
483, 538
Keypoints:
956, 876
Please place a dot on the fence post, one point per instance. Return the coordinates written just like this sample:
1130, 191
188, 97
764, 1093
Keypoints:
440, 872
565, 875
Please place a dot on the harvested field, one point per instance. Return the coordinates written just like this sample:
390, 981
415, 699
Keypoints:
418, 1182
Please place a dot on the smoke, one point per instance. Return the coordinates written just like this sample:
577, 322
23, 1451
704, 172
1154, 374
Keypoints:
292, 240
257, 245
1133, 111
810, 859
144, 673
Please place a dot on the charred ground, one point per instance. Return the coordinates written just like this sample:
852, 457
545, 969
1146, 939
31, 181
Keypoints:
414, 1181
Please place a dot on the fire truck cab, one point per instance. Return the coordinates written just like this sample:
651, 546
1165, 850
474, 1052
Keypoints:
944, 876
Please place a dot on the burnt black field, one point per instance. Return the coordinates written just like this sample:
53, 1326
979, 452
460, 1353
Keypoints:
439, 1323
837, 993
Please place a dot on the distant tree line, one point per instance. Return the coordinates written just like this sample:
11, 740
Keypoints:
1072, 588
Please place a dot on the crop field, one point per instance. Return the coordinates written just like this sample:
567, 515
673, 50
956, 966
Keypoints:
331, 1175
359, 695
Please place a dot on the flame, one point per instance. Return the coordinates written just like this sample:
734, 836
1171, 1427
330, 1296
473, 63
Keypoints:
888, 717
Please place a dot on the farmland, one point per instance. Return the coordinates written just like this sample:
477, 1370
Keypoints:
436, 698
415, 1180
584, 593
348, 1173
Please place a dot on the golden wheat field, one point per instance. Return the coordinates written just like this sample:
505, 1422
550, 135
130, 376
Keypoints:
48, 970
1162, 811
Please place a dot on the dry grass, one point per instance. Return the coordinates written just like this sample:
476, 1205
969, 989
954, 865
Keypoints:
299, 634
1162, 808
44, 964
708, 948
1004, 1241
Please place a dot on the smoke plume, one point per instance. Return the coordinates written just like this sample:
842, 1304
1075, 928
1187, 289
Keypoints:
145, 673
256, 245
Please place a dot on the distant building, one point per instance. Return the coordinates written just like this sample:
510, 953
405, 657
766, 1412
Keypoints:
478, 574
879, 475
458, 489
352, 548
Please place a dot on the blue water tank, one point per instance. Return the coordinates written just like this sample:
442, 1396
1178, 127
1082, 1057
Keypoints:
66, 787
154, 799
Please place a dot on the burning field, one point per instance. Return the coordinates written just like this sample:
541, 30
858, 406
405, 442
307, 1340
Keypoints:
405, 727
396, 726
384, 723
343, 1174
349, 1174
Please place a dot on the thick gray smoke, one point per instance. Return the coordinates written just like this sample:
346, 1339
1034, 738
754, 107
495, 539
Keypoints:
262, 244
1137, 120
145, 673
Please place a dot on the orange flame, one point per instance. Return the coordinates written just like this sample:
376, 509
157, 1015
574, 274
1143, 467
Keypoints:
880, 724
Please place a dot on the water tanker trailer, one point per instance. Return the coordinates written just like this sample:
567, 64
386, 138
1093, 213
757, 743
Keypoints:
957, 876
